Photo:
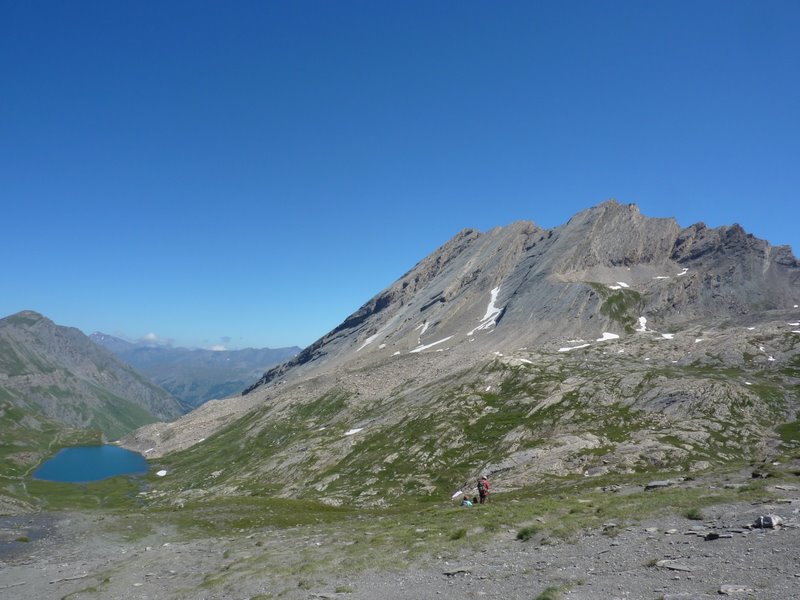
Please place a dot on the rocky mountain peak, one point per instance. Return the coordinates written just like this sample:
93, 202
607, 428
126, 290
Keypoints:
536, 286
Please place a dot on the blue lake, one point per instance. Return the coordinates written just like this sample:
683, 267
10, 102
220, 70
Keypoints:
91, 463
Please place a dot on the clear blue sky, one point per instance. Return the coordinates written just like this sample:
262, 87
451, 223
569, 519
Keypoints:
250, 173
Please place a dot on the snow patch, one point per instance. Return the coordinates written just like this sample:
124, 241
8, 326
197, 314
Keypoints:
421, 348
492, 312
367, 342
771, 359
795, 331
525, 360
354, 431
161, 473
573, 348
488, 387
682, 273
696, 340
396, 353
607, 336
148, 450
382, 346
642, 324
747, 383
750, 328
667, 336
793, 324
661, 277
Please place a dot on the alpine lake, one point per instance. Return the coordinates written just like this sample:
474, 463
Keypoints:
84, 464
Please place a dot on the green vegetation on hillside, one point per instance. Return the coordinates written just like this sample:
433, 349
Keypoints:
623, 306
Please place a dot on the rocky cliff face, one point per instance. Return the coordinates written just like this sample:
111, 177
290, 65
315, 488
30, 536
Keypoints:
57, 372
613, 343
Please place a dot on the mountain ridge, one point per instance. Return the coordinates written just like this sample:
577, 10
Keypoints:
58, 372
567, 254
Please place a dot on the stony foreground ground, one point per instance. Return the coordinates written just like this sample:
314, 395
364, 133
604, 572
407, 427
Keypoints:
72, 555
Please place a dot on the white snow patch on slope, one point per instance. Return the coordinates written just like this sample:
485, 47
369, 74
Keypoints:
661, 277
607, 336
367, 342
573, 348
492, 312
682, 273
421, 348
795, 331
750, 328
793, 324
642, 324
161, 473
699, 340
667, 336
354, 431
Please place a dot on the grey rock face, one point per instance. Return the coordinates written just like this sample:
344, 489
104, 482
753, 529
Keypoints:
600, 272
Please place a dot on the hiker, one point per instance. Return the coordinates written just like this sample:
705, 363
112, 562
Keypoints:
466, 501
483, 489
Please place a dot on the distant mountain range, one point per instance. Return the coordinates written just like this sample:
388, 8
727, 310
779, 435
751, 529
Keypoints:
57, 387
196, 376
613, 344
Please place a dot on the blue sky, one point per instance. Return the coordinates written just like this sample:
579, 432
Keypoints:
250, 173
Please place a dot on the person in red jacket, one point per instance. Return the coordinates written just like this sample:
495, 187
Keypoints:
483, 489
